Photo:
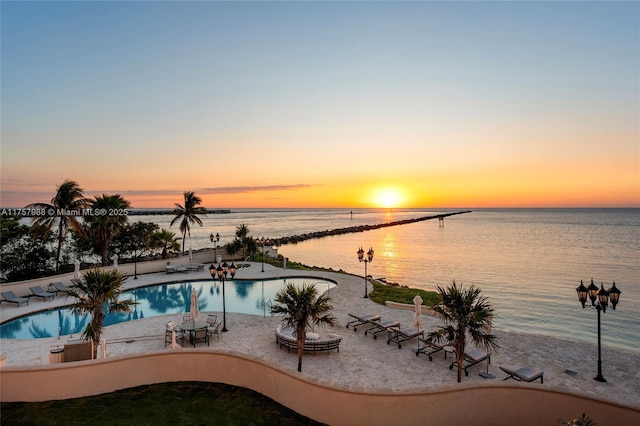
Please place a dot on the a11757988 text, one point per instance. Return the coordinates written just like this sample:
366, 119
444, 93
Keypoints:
50, 212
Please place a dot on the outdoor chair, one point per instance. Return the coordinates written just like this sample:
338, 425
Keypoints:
380, 326
523, 374
186, 318
10, 297
397, 335
213, 326
201, 335
171, 327
472, 358
59, 287
41, 292
430, 347
362, 319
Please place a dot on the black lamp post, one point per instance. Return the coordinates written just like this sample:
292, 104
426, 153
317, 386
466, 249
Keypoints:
366, 260
215, 239
599, 301
262, 241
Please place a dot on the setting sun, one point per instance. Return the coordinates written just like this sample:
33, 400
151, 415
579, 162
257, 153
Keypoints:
388, 198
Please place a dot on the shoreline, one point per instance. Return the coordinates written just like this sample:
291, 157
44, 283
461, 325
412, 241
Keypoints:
362, 362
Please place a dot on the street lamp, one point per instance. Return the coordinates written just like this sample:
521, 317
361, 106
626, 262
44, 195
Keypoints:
599, 301
221, 273
215, 239
366, 260
262, 241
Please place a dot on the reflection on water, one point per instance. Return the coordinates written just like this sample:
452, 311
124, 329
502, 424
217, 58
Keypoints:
247, 297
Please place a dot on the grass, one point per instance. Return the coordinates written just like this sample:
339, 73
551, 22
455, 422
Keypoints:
382, 293
178, 403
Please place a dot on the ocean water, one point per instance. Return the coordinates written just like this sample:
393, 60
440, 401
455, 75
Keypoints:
528, 262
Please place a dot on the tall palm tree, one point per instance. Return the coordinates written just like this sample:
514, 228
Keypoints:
188, 214
165, 240
302, 308
69, 198
464, 313
96, 291
107, 222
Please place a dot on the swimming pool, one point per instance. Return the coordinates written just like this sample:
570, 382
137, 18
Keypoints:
241, 296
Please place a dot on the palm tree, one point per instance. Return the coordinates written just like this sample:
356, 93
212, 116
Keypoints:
107, 222
302, 308
166, 240
65, 208
464, 312
187, 214
96, 291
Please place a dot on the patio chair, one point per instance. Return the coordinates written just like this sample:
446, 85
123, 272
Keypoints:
362, 319
381, 326
472, 358
41, 292
523, 374
213, 326
201, 335
11, 297
168, 334
397, 335
186, 318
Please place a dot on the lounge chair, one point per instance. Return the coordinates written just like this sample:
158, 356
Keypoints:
472, 358
397, 335
11, 297
380, 326
524, 374
362, 319
59, 287
430, 347
41, 292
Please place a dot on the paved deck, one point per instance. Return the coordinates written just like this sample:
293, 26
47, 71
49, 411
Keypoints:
363, 364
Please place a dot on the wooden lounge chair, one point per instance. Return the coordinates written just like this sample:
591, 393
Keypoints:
362, 319
472, 358
9, 296
523, 374
397, 335
380, 326
41, 292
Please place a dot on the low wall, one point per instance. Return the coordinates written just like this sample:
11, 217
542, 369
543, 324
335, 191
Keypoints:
495, 404
21, 288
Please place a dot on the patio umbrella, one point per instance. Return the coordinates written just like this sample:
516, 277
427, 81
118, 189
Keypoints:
76, 271
195, 309
417, 318
115, 261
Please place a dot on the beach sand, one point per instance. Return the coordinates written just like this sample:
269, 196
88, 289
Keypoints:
362, 364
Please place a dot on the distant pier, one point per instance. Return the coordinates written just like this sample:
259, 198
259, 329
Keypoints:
360, 228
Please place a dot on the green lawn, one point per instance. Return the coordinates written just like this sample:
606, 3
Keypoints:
180, 403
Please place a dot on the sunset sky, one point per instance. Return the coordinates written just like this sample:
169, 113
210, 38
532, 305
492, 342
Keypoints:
323, 104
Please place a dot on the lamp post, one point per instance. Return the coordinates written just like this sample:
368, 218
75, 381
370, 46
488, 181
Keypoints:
215, 239
262, 241
599, 301
366, 260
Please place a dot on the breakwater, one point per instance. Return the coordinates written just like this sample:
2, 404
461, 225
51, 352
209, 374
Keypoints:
360, 228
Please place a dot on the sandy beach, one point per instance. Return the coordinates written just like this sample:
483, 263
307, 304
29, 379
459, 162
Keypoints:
362, 363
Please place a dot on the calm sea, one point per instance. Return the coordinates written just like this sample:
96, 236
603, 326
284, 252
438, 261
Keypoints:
528, 262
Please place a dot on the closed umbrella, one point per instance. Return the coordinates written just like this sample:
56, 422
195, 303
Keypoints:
115, 261
76, 271
195, 309
190, 256
417, 317
174, 344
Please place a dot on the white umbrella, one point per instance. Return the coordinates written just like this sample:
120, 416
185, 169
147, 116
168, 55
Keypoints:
417, 319
174, 344
115, 261
195, 309
76, 271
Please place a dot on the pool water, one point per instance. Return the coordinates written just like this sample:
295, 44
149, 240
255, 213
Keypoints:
241, 296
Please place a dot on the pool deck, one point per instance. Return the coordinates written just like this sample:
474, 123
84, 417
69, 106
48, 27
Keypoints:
362, 364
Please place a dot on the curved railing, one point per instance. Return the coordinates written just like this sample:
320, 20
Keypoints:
496, 403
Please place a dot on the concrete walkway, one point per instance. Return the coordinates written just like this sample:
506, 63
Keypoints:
363, 364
